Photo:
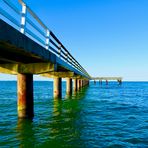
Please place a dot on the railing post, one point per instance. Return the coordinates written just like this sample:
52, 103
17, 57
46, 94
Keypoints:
23, 18
47, 38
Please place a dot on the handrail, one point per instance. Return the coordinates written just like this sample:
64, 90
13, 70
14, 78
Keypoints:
33, 14
12, 6
46, 38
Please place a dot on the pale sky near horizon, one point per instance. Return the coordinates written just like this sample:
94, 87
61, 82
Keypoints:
107, 37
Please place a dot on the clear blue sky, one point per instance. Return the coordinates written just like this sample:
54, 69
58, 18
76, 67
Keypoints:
107, 37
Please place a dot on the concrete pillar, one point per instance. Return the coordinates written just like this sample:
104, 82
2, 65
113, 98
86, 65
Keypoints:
87, 82
75, 88
81, 84
57, 90
84, 82
25, 96
94, 81
78, 84
101, 82
120, 82
69, 86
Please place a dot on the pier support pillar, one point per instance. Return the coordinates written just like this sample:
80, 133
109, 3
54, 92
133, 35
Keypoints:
25, 96
120, 82
69, 86
78, 84
75, 88
81, 84
57, 90
100, 82
94, 81
87, 82
84, 83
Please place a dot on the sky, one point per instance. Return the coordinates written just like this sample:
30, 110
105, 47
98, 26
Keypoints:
107, 37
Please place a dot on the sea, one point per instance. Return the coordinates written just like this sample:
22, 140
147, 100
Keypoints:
98, 116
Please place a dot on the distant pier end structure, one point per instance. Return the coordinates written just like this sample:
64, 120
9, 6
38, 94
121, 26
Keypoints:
28, 47
107, 79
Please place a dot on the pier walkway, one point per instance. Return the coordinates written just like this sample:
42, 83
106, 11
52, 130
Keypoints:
27, 47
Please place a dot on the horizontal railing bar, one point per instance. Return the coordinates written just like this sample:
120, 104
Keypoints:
63, 52
35, 36
55, 51
63, 57
63, 47
74, 65
71, 63
53, 43
35, 27
74, 60
9, 17
70, 58
34, 15
55, 38
46, 33
12, 6
37, 18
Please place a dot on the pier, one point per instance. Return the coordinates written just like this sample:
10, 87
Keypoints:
26, 51
107, 79
28, 47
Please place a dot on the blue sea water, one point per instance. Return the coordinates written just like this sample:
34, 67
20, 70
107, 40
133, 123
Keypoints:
97, 116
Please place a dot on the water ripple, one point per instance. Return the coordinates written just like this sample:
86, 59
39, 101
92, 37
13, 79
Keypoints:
98, 116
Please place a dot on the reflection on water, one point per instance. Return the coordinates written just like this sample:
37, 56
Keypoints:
63, 129
26, 135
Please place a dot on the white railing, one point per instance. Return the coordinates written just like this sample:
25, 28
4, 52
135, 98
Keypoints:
31, 25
